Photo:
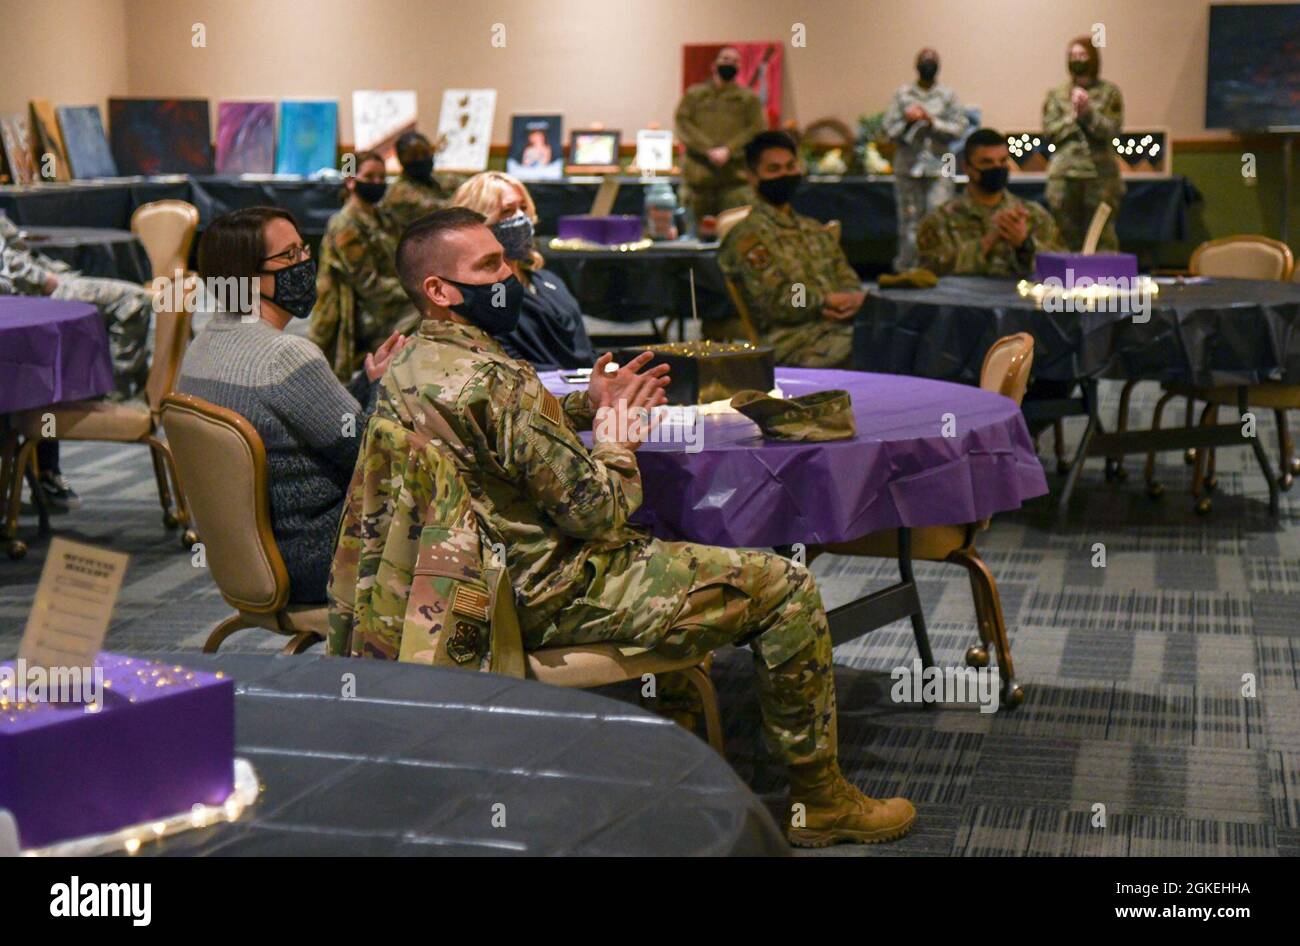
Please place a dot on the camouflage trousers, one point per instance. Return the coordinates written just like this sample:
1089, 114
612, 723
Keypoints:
128, 312
708, 199
915, 197
729, 596
1073, 202
819, 344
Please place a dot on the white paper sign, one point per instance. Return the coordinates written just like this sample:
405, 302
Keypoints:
74, 603
465, 126
654, 149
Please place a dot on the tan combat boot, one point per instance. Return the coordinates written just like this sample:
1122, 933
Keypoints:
834, 811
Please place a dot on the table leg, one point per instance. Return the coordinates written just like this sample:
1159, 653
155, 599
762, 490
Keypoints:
1081, 454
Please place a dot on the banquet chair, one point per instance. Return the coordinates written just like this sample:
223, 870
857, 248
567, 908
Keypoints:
223, 464
1242, 257
108, 421
166, 229
1005, 371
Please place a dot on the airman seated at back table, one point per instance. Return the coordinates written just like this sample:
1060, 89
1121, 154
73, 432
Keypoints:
581, 573
791, 270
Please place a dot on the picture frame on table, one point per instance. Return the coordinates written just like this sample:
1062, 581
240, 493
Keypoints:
536, 147
593, 151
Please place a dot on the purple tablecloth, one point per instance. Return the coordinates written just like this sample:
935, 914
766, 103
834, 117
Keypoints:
900, 469
51, 351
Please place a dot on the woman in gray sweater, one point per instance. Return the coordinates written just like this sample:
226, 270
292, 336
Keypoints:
243, 360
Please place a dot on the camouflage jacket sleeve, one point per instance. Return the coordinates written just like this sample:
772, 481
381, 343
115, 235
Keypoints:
586, 493
1058, 116
1105, 117
578, 410
690, 134
767, 281
952, 121
333, 320
894, 123
942, 251
360, 259
754, 123
22, 267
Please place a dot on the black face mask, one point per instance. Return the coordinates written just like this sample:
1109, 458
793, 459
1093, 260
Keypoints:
295, 288
779, 190
1078, 68
927, 69
727, 73
479, 304
993, 180
370, 191
421, 170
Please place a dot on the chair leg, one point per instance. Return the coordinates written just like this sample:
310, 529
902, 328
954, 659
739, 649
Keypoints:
1288, 463
230, 625
703, 684
1189, 418
23, 463
1209, 414
302, 642
988, 616
164, 489
9, 480
1115, 465
1154, 489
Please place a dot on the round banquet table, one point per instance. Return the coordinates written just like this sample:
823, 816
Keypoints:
1221, 331
415, 761
93, 251
51, 351
900, 470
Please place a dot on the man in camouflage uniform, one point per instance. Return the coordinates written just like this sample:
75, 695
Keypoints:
714, 120
987, 231
923, 120
1083, 117
416, 192
796, 282
359, 300
126, 307
581, 574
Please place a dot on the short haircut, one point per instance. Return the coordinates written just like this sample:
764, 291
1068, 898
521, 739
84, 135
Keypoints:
412, 146
982, 138
419, 252
364, 157
234, 244
765, 140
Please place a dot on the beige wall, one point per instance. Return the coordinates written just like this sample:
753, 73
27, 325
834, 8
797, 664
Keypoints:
72, 52
608, 60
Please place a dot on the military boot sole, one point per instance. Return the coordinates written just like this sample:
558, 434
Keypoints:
806, 837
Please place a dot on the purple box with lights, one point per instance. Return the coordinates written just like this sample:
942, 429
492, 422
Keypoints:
162, 741
607, 231
1069, 268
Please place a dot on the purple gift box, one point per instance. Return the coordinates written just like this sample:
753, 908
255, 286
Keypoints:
162, 741
608, 231
1069, 268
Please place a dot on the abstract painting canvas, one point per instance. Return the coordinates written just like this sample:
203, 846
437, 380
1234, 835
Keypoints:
379, 118
46, 133
16, 136
466, 126
245, 137
308, 137
160, 136
83, 135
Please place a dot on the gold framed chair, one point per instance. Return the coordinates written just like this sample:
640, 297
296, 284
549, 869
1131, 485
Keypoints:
1005, 370
114, 422
222, 462
1242, 256
166, 229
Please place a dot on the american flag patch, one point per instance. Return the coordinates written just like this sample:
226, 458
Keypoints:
550, 409
470, 602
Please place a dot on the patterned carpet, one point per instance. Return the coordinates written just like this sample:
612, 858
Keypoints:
1133, 672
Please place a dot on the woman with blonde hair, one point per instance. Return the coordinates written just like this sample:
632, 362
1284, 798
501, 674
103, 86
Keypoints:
550, 333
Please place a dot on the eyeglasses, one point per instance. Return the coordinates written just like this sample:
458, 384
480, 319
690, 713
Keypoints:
294, 254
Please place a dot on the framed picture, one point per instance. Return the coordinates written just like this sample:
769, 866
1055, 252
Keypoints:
654, 150
160, 136
760, 71
83, 135
465, 125
245, 137
536, 147
593, 151
308, 137
379, 118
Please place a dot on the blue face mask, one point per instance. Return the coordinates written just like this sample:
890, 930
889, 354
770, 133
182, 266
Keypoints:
515, 234
494, 310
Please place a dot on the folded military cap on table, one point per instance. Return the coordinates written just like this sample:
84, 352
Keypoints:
909, 279
824, 415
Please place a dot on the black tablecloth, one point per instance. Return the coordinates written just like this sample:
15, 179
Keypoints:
644, 284
414, 763
94, 251
1225, 331
1154, 210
